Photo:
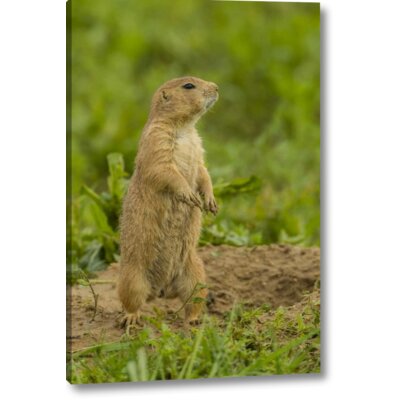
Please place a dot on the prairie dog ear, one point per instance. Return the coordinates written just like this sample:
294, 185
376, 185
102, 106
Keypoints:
165, 96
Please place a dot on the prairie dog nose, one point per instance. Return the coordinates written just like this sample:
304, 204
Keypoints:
214, 86
211, 89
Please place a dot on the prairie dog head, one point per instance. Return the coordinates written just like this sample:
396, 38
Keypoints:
184, 100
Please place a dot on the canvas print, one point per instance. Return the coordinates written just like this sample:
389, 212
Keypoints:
193, 218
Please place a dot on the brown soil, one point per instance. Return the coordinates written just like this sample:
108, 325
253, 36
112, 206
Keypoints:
277, 275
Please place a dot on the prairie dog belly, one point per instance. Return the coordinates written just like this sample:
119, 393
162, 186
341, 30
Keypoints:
188, 155
181, 223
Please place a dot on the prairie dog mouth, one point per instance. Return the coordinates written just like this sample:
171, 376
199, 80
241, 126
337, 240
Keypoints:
210, 102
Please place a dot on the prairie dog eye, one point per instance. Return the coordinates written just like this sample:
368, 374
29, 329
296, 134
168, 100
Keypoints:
188, 86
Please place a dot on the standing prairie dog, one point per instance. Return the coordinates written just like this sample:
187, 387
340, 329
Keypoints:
161, 215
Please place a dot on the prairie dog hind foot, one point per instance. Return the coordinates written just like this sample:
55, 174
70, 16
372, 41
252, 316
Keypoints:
130, 320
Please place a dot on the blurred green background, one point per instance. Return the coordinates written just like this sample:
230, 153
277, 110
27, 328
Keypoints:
261, 138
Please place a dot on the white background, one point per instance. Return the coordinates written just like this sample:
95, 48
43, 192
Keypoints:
361, 201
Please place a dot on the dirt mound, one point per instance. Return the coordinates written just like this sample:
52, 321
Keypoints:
275, 275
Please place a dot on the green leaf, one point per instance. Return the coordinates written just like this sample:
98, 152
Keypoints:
238, 185
99, 218
142, 364
92, 259
198, 300
116, 181
94, 196
132, 370
137, 369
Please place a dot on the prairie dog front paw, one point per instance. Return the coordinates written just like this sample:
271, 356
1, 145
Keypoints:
190, 198
210, 204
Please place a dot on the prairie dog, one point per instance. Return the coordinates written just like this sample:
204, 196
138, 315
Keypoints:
161, 215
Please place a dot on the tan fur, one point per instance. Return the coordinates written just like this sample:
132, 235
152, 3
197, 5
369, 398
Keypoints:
161, 217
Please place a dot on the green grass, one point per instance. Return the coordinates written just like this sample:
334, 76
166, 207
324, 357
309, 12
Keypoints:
246, 342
